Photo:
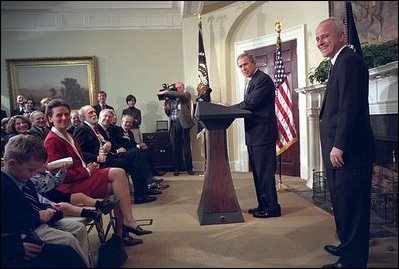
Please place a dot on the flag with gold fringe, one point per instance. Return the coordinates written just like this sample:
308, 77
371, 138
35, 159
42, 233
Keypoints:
284, 109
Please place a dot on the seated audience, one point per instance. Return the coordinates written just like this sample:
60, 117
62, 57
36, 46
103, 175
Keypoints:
136, 114
20, 251
17, 124
92, 139
21, 210
75, 121
39, 125
89, 178
43, 103
125, 138
45, 184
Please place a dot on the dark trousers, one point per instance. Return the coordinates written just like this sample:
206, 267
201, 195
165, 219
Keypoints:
134, 164
263, 162
181, 146
350, 191
52, 256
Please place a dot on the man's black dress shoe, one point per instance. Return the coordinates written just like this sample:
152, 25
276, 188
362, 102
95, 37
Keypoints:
153, 192
253, 210
176, 173
158, 186
130, 241
268, 213
190, 172
93, 214
337, 264
333, 250
137, 231
145, 199
157, 180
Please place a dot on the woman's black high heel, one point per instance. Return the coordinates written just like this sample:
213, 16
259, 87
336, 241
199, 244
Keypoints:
137, 231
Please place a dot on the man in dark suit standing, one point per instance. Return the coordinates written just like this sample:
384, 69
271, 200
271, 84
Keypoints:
347, 144
20, 110
101, 105
260, 135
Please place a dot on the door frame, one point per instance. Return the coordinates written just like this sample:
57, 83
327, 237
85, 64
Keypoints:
297, 33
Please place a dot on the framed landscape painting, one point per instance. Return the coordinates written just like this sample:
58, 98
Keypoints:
376, 21
73, 79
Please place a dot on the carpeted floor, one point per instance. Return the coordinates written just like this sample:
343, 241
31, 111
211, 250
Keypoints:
294, 240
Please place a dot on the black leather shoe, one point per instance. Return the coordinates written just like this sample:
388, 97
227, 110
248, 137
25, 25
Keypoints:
176, 173
93, 214
333, 250
106, 205
337, 264
253, 210
190, 172
137, 231
145, 199
158, 186
153, 192
130, 241
267, 213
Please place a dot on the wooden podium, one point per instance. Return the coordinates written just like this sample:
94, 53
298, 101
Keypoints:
218, 202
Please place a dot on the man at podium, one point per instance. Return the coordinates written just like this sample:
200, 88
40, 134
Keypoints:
261, 134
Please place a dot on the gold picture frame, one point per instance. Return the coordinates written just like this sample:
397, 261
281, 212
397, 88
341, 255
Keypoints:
73, 79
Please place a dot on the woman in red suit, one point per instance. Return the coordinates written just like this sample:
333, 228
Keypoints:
87, 178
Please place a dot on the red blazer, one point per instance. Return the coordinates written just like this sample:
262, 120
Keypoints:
77, 178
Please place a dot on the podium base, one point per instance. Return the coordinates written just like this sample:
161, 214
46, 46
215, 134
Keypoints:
219, 218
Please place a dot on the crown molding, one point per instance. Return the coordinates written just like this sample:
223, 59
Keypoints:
85, 15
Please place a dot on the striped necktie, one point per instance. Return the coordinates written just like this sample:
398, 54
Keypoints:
31, 194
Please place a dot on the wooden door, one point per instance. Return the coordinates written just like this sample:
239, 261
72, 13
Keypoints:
290, 160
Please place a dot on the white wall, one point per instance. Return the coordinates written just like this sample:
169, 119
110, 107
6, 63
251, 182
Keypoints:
129, 62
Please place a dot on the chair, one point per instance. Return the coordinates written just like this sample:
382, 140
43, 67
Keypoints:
99, 225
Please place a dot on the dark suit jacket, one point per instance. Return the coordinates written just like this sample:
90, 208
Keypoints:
118, 137
88, 142
261, 126
36, 132
17, 213
3, 114
344, 115
97, 107
16, 112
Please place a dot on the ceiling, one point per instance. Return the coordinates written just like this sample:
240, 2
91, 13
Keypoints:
185, 8
96, 15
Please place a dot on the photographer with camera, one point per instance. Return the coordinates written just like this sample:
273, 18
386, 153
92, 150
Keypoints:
177, 106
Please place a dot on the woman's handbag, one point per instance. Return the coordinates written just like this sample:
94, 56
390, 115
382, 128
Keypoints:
111, 254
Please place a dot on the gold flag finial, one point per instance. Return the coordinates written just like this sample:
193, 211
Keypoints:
277, 26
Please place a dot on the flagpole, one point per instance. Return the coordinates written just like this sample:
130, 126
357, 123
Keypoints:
280, 185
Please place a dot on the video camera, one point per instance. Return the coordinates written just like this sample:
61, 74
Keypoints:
168, 87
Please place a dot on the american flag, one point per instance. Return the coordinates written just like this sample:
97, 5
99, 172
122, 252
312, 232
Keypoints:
284, 111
